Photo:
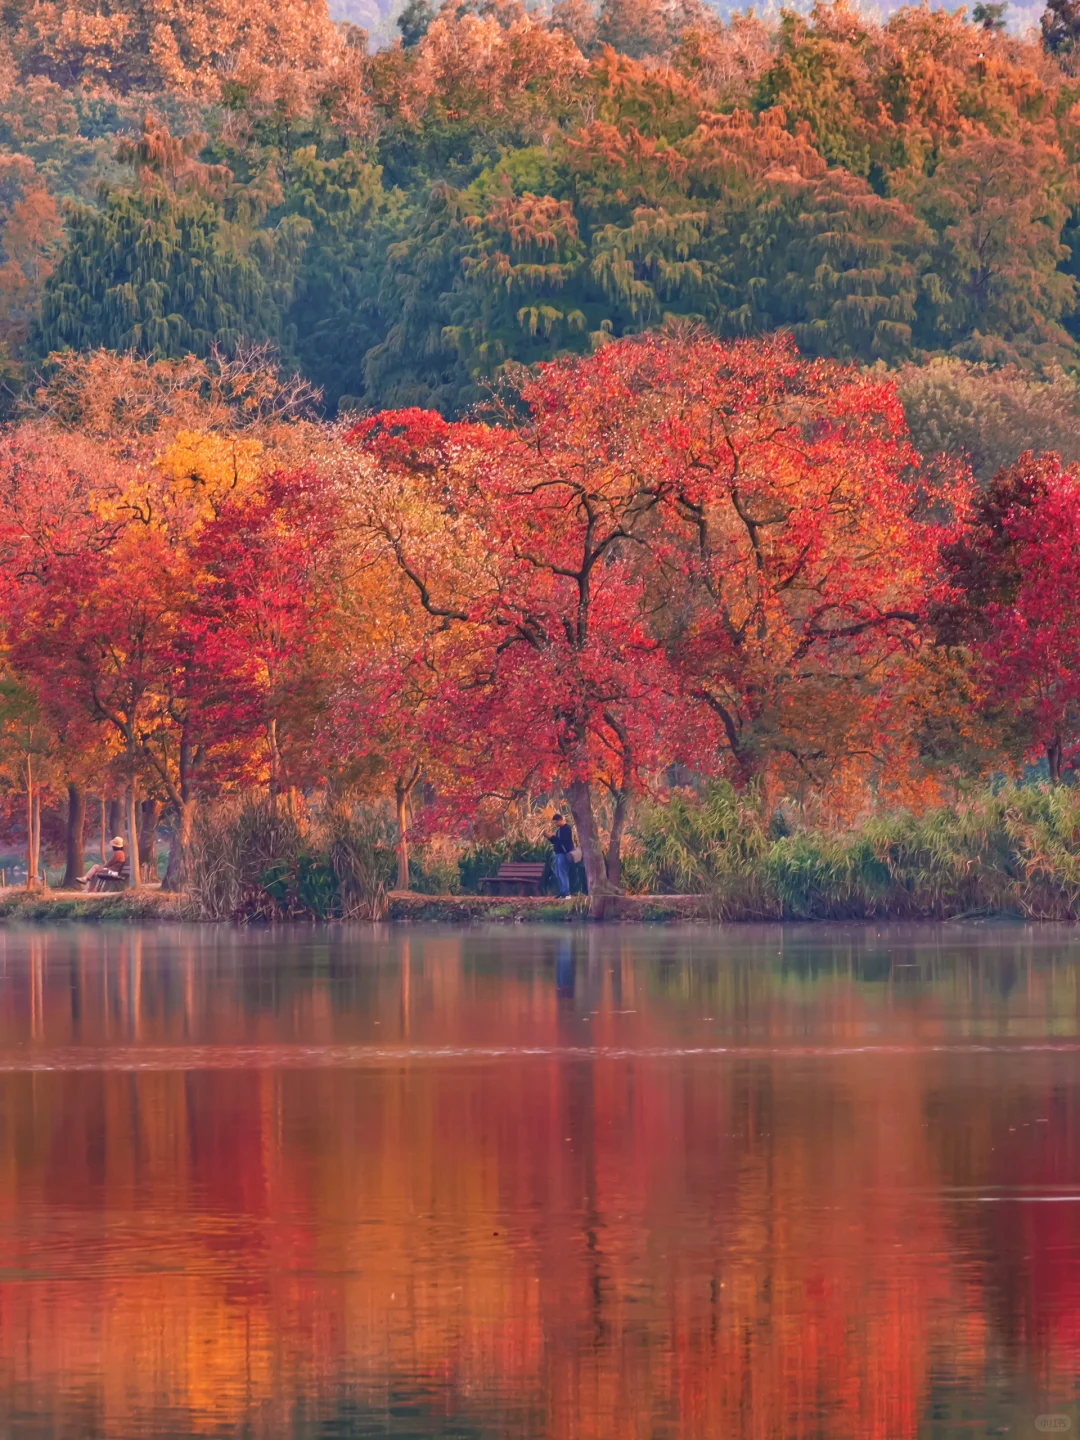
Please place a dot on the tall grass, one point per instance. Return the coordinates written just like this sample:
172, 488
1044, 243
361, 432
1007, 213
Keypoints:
711, 844
1014, 850
254, 859
360, 847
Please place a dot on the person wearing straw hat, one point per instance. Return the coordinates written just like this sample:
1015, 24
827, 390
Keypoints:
115, 869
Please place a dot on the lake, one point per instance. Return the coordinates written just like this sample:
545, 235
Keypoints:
776, 1181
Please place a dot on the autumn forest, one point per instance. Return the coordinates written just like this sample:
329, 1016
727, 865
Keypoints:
671, 417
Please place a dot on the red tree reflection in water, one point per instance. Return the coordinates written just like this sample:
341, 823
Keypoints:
754, 1245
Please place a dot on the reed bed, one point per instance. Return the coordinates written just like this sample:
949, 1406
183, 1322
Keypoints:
1009, 850
1014, 849
253, 858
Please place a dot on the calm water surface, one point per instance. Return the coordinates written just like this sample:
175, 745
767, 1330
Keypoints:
767, 1182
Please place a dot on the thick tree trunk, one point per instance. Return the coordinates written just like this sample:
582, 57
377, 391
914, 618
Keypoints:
1053, 760
180, 847
75, 850
149, 815
619, 797
134, 877
401, 801
614, 854
104, 832
579, 794
184, 802
114, 822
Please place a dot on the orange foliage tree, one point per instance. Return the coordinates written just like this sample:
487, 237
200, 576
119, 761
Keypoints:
106, 494
192, 47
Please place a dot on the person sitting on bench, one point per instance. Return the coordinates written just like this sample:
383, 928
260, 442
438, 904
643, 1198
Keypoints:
116, 869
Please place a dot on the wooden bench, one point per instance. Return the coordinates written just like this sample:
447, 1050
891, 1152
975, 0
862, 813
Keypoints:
516, 877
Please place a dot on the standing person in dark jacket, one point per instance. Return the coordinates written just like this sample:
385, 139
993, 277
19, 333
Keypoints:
562, 842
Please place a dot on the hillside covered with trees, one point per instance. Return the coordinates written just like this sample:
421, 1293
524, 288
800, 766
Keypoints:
504, 185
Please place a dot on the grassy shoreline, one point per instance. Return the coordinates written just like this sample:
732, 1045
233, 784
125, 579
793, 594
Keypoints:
53, 907
56, 907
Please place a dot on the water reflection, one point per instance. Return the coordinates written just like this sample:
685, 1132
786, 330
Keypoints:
746, 1183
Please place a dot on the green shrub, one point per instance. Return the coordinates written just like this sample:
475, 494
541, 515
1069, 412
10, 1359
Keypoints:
1012, 849
304, 884
361, 850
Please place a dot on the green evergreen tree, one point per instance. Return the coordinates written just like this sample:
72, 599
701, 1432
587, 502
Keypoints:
335, 316
154, 272
1061, 26
416, 363
413, 22
990, 16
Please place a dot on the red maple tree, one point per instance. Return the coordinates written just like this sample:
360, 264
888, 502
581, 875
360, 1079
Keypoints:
258, 630
683, 550
1015, 600
98, 636
548, 672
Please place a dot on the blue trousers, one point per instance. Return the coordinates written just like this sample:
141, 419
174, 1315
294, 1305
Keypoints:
562, 874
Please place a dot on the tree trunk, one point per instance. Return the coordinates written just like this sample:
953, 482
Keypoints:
403, 788
180, 847
134, 877
614, 854
75, 854
579, 794
275, 761
183, 801
115, 822
1053, 759
401, 801
31, 868
36, 818
150, 814
104, 833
